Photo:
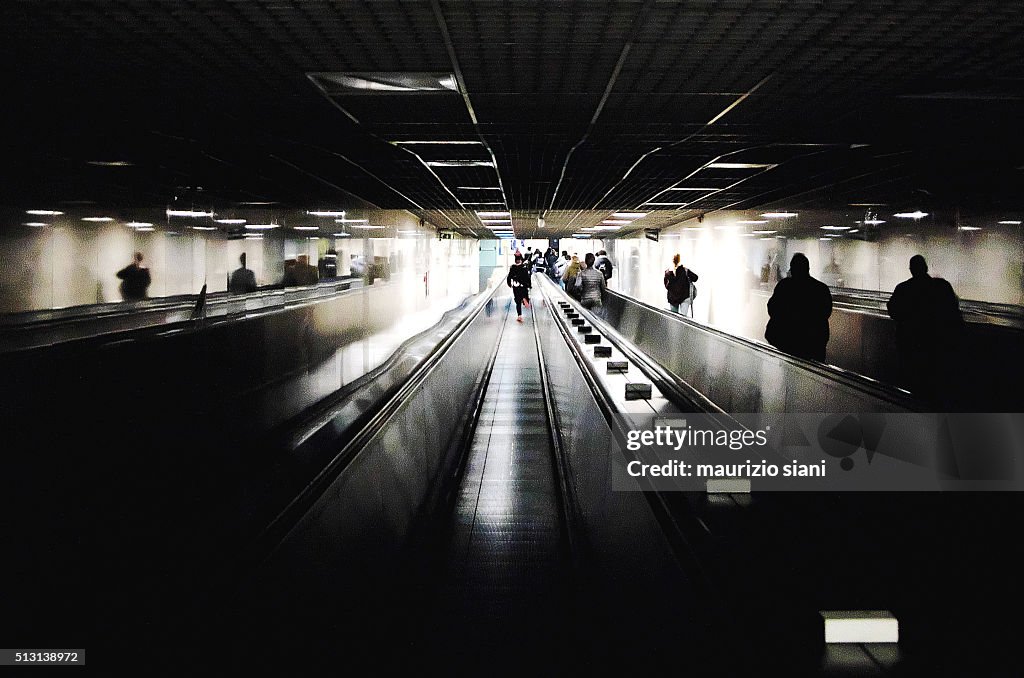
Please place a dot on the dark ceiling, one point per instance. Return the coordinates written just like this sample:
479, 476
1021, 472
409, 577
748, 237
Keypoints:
575, 109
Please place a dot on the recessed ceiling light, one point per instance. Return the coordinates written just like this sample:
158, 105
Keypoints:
494, 214
874, 222
110, 163
199, 228
779, 215
835, 228
607, 228
498, 202
35, 224
262, 227
630, 215
44, 213
1010, 223
911, 215
230, 221
306, 228
496, 221
582, 235
738, 165
821, 238
969, 228
326, 213
616, 221
258, 202
364, 226
342, 235
139, 224
188, 213
351, 221
97, 219
459, 163
753, 221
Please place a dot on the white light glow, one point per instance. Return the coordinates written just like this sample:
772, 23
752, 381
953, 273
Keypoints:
351, 221
109, 163
779, 215
764, 232
199, 228
693, 228
34, 224
738, 165
969, 228
262, 227
1010, 223
230, 221
607, 228
484, 203
496, 221
100, 219
254, 236
342, 235
365, 226
860, 626
874, 222
753, 221
188, 213
835, 228
306, 228
494, 214
616, 221
44, 213
582, 235
630, 215
139, 224
326, 213
146, 229
911, 215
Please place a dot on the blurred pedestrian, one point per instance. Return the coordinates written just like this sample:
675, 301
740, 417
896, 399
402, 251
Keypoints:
242, 279
135, 279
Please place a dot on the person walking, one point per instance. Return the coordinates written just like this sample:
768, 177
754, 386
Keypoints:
518, 279
135, 280
572, 271
679, 288
242, 279
591, 284
799, 310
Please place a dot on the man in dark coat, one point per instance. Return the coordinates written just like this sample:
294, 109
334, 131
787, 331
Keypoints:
135, 280
518, 279
929, 329
799, 309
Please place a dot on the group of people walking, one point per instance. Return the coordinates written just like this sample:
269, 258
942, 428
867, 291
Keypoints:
585, 280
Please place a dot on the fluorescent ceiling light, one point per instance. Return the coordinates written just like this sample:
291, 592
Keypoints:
351, 221
230, 221
109, 163
44, 213
1010, 223
97, 218
607, 228
764, 232
342, 235
139, 224
495, 221
188, 213
261, 227
334, 83
326, 213
146, 229
34, 223
616, 221
254, 236
753, 221
821, 238
835, 228
494, 214
582, 235
911, 215
306, 228
737, 165
779, 215
459, 163
969, 228
199, 228
259, 202
747, 235
444, 143
365, 226
630, 215
874, 222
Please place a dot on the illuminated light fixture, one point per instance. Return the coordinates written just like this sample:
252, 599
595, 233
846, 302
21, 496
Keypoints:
262, 227
306, 228
495, 221
779, 215
230, 221
365, 226
258, 202
44, 213
333, 83
443, 143
764, 232
747, 235
753, 221
835, 228
494, 214
201, 228
325, 213
1010, 223
98, 219
478, 188
405, 232
630, 215
607, 228
342, 235
459, 163
874, 222
34, 224
541, 223
139, 224
780, 237
969, 228
351, 221
582, 235
738, 165
616, 221
147, 229
109, 163
821, 238
911, 215
860, 626
254, 236
767, 238
667, 204
189, 213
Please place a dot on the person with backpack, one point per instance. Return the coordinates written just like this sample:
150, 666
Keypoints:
679, 287
518, 279
604, 264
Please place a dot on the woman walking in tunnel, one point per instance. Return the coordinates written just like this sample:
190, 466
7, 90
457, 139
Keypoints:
518, 279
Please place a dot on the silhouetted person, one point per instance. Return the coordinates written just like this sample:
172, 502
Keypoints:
242, 279
301, 273
799, 309
518, 279
929, 330
678, 282
135, 280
